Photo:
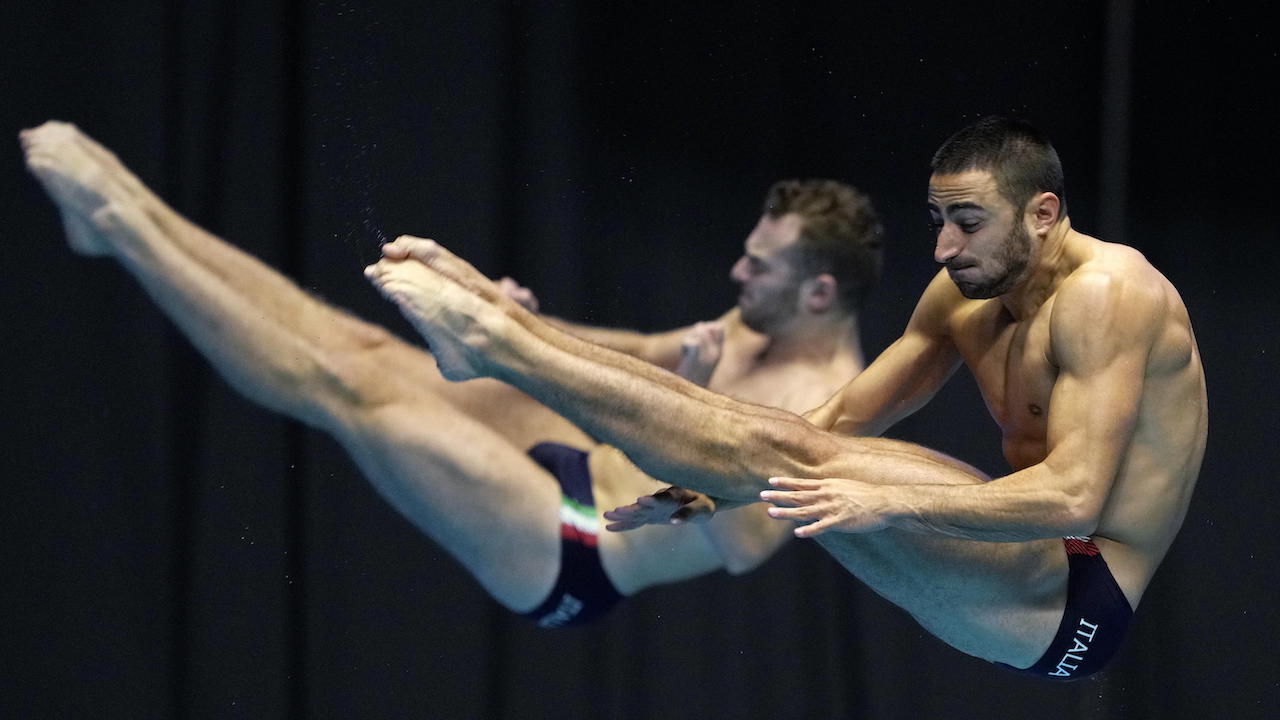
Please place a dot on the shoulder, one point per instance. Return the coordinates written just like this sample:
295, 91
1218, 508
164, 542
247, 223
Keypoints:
941, 306
1112, 300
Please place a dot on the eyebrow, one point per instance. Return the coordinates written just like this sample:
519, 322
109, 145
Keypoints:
954, 207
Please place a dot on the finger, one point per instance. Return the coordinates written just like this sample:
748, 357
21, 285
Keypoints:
805, 514
622, 526
790, 483
815, 528
624, 512
790, 498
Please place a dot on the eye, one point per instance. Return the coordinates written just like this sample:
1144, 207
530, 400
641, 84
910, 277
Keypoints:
969, 227
935, 226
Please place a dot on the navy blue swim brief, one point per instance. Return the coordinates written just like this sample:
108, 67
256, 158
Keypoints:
583, 592
1093, 622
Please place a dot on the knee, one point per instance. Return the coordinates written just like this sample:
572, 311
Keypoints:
358, 377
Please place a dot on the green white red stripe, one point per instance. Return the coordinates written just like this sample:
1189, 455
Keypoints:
578, 522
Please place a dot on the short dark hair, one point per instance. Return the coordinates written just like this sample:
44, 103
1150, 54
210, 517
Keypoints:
841, 234
1020, 158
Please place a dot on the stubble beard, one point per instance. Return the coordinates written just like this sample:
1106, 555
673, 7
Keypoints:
1014, 256
768, 316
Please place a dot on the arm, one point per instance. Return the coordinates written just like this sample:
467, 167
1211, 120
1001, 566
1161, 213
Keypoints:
905, 376
901, 380
1102, 330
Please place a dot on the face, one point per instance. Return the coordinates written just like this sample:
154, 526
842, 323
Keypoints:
767, 273
981, 238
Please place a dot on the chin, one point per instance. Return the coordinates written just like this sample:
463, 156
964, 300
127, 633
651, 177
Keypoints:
983, 291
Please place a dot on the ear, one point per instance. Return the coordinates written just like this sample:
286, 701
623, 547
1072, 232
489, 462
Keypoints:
819, 293
1044, 209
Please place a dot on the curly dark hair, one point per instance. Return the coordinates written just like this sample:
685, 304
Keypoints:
841, 234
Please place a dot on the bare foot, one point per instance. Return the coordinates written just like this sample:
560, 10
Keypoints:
82, 178
456, 321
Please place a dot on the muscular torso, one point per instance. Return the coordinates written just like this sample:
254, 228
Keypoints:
1015, 367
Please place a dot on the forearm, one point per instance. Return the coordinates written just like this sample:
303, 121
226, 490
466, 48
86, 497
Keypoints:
669, 427
1014, 508
920, 490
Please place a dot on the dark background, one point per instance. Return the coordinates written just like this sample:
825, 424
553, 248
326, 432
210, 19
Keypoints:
170, 550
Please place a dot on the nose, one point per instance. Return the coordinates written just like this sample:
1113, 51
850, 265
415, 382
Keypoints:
949, 244
738, 273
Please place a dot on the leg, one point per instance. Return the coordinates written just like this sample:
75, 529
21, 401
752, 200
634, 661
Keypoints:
997, 601
478, 496
284, 349
84, 177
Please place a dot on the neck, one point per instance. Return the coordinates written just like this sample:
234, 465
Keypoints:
818, 339
1050, 263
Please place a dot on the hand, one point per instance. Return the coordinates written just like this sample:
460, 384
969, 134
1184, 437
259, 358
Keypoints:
521, 294
672, 506
837, 504
700, 352
459, 311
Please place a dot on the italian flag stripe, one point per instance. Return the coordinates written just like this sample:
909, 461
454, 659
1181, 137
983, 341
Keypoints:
578, 516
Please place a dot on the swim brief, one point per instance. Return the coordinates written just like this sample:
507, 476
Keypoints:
583, 592
1093, 622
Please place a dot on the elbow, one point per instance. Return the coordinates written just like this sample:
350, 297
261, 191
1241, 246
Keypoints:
1079, 514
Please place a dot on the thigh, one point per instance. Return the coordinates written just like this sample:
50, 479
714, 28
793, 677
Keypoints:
510, 413
523, 421
997, 601
467, 487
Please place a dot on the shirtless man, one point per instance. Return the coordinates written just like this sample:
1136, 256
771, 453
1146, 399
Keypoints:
430, 447
1086, 360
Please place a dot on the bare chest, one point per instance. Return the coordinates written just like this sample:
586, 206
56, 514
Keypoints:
791, 387
1012, 363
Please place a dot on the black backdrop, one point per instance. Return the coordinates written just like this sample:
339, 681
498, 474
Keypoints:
170, 550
